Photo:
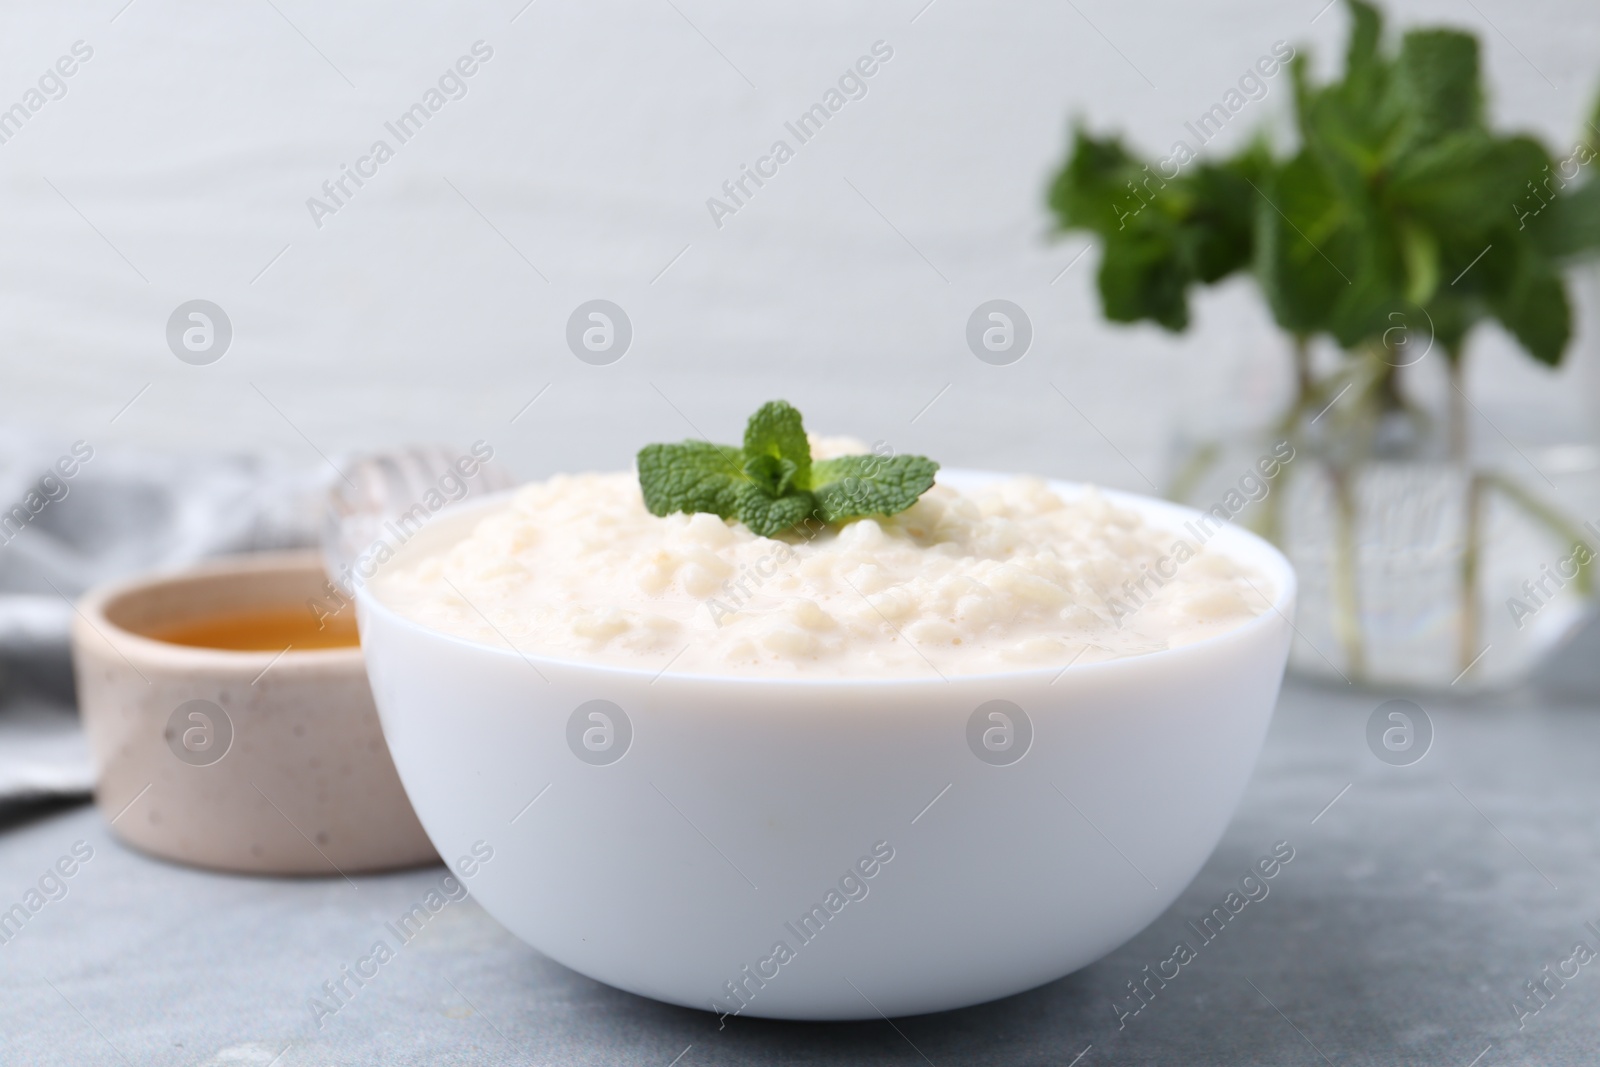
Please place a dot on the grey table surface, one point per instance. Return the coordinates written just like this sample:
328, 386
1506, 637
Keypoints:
1419, 901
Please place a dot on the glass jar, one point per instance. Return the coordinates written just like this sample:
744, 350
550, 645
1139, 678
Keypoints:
1417, 570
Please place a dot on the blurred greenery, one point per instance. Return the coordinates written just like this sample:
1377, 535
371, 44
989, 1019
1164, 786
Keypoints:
1398, 199
1398, 221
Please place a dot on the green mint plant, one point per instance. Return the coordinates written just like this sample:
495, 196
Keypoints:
1395, 190
1398, 221
771, 483
1161, 233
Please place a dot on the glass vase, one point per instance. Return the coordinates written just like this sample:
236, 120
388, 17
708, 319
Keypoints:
1418, 571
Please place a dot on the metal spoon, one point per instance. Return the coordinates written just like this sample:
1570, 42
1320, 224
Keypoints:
385, 497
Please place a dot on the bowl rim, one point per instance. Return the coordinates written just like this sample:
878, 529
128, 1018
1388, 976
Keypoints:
1260, 552
91, 609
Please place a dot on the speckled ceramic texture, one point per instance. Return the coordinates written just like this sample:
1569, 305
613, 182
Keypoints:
303, 786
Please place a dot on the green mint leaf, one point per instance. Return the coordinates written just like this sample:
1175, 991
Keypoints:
1570, 226
1464, 184
767, 484
1302, 230
767, 515
774, 476
1437, 78
776, 431
1161, 234
1143, 277
1091, 192
1222, 205
1534, 309
692, 476
854, 486
1366, 33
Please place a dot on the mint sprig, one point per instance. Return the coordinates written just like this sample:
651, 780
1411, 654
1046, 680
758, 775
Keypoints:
771, 483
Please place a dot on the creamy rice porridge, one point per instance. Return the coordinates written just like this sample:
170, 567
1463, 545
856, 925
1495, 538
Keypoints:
1003, 578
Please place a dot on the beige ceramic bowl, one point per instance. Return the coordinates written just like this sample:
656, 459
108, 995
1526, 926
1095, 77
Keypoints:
263, 762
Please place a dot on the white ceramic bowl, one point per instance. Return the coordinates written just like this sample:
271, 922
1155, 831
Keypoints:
740, 803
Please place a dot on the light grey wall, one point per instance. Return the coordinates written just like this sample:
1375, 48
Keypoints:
179, 163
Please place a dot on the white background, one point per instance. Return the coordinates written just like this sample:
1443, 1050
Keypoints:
591, 141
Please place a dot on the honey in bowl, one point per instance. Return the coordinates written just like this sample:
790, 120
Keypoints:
263, 630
